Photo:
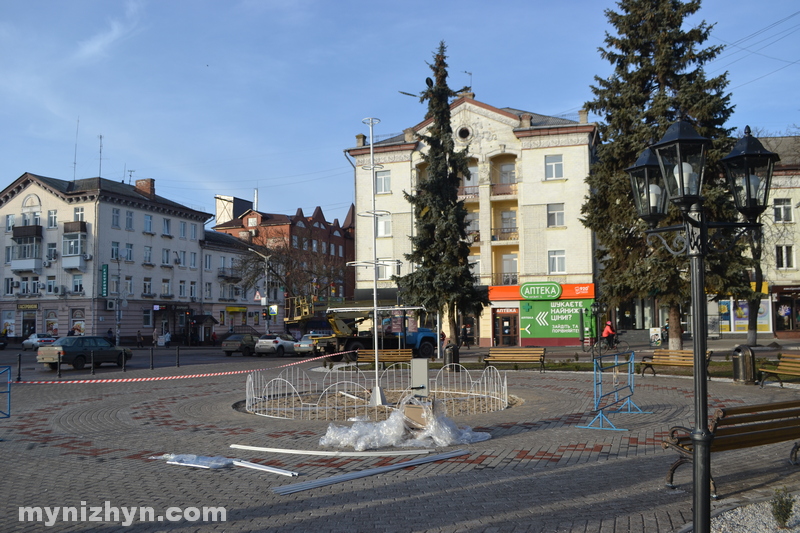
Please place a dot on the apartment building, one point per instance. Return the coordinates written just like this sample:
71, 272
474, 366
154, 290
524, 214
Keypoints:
523, 197
93, 254
308, 258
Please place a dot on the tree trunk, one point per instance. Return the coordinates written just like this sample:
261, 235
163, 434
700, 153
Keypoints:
675, 330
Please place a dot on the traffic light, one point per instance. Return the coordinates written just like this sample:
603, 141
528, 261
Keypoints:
264, 313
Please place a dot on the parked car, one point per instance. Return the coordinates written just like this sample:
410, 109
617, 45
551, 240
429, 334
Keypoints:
277, 343
306, 343
37, 340
240, 342
80, 350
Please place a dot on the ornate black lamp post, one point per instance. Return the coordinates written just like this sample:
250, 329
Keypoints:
675, 165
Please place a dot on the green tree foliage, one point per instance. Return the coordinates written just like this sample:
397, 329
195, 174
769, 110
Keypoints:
442, 280
658, 78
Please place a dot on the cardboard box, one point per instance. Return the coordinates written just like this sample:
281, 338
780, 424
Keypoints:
416, 416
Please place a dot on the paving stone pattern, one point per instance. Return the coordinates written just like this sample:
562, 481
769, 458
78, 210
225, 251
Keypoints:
540, 472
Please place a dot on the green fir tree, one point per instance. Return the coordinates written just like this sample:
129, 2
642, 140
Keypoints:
441, 280
658, 78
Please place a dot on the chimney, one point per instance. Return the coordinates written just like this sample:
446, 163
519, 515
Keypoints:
583, 116
467, 94
147, 187
361, 140
409, 136
525, 120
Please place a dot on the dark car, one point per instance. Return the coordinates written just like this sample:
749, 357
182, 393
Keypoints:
80, 350
240, 342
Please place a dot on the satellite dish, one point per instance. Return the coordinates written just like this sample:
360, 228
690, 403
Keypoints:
124, 303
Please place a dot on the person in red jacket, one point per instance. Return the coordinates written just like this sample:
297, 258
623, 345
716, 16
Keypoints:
609, 334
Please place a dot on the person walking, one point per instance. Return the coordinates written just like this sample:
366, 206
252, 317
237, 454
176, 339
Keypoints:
465, 336
167, 338
139, 339
155, 337
213, 338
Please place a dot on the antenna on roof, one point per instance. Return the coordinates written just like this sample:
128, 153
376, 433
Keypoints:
470, 78
75, 157
130, 175
100, 172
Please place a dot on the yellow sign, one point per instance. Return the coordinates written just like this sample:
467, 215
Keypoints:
236, 309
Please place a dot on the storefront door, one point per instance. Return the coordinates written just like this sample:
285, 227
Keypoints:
506, 327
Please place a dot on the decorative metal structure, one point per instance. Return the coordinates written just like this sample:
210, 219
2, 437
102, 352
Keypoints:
680, 156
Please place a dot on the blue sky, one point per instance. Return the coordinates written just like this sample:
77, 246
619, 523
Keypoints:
225, 97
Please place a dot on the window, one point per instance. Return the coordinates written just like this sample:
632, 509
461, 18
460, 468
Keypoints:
129, 220
148, 224
556, 262
208, 290
341, 250
50, 284
8, 285
77, 283
128, 252
553, 167
182, 257
165, 228
193, 260
128, 288
508, 173
182, 288
9, 254
193, 289
555, 215
147, 255
166, 287
77, 214
387, 267
182, 229
52, 218
52, 250
294, 241
784, 257
147, 318
114, 284
384, 225
383, 182
509, 273
35, 284
23, 285
147, 286
252, 222
314, 245
783, 209
324, 248
114, 251
207, 262
115, 215
193, 232
165, 256
9, 223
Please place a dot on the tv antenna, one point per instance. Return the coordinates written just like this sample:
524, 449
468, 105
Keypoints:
470, 78
100, 171
75, 156
130, 175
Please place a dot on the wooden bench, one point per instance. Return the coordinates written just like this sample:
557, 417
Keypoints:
788, 364
390, 355
735, 428
671, 358
515, 354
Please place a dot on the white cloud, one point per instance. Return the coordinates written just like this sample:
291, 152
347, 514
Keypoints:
98, 46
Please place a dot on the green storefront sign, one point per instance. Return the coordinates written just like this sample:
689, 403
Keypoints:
553, 318
542, 290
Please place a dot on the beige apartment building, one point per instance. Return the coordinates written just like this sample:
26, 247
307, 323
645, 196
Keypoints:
523, 197
91, 255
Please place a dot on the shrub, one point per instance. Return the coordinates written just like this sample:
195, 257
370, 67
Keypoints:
782, 504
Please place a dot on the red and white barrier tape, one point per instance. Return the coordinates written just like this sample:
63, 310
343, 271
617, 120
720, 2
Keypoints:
164, 378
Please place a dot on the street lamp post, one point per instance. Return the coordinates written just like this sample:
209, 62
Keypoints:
266, 259
675, 164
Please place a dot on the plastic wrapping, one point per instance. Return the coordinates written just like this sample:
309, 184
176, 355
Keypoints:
398, 431
200, 461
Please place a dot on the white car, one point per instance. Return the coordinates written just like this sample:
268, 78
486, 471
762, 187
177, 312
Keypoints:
36, 340
306, 344
277, 343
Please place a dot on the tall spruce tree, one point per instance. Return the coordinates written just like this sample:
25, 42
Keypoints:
658, 78
442, 280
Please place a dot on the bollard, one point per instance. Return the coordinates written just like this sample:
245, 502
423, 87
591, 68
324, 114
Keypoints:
91, 361
19, 367
177, 356
59, 365
124, 362
151, 358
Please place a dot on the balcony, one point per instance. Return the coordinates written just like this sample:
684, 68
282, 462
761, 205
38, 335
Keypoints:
504, 189
29, 264
230, 274
473, 236
505, 234
77, 226
505, 278
469, 192
20, 232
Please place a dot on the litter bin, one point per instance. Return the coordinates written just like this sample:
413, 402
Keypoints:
744, 365
451, 354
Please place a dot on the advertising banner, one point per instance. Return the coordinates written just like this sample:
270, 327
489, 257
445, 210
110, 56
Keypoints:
553, 318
